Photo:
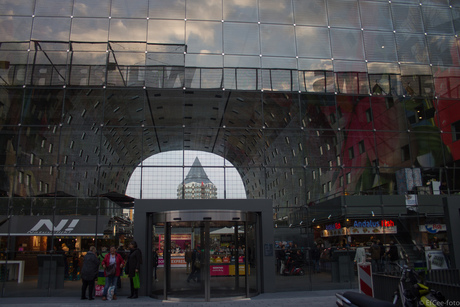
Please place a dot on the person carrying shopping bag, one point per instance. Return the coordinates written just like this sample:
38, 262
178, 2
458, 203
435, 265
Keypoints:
133, 267
112, 264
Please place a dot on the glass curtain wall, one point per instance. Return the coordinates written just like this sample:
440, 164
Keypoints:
336, 110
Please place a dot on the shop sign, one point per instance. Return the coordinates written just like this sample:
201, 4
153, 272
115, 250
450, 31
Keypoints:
46, 225
370, 223
372, 230
435, 259
334, 232
333, 226
432, 228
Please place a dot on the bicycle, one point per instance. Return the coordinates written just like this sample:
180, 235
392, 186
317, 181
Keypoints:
413, 292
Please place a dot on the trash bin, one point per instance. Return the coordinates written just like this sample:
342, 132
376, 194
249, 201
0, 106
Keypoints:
51, 271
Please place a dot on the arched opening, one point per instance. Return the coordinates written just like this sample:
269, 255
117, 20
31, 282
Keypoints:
185, 174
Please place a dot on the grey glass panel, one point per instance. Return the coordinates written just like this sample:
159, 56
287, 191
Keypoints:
443, 50
166, 31
437, 20
285, 63
51, 29
242, 79
343, 13
412, 69
436, 2
162, 59
241, 61
204, 37
241, 38
280, 80
456, 17
90, 8
277, 40
383, 68
310, 12
407, 1
412, 48
128, 30
204, 9
89, 29
236, 10
376, 16
275, 11
347, 44
167, 9
15, 28
53, 7
380, 46
407, 18
129, 9
313, 42
17, 7
310, 64
203, 60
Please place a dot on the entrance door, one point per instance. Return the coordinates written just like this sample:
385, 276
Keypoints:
204, 260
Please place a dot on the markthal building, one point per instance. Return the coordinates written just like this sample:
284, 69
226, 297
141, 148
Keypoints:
341, 117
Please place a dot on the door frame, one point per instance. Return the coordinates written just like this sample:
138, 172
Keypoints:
143, 223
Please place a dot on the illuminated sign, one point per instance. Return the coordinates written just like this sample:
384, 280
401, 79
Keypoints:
333, 226
382, 223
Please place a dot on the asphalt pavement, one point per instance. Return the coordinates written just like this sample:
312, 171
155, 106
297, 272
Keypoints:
301, 298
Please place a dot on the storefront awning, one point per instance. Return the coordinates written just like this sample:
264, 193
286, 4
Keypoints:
63, 225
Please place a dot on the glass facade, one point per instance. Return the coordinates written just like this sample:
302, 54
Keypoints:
340, 111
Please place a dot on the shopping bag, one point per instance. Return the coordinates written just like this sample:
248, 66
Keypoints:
136, 281
110, 292
99, 290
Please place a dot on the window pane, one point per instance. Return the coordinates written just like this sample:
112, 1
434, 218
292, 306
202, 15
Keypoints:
133, 9
310, 12
172, 31
236, 10
347, 44
128, 30
443, 50
412, 48
313, 42
204, 9
51, 29
15, 28
167, 9
380, 46
376, 16
277, 40
241, 38
204, 37
343, 13
275, 11
407, 18
435, 20
17, 7
91, 8
53, 7
89, 29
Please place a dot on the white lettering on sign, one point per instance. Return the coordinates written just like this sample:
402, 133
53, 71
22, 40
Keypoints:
59, 229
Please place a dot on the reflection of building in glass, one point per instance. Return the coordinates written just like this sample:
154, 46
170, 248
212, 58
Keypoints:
196, 184
329, 108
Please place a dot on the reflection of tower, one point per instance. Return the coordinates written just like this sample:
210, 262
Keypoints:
197, 184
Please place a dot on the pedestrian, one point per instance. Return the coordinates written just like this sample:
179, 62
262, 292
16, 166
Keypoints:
196, 266
375, 256
155, 263
112, 263
133, 266
315, 255
89, 273
188, 259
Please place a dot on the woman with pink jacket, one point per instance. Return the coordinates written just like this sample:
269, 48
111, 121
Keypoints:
112, 264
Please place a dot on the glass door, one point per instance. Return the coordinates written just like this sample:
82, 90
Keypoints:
203, 260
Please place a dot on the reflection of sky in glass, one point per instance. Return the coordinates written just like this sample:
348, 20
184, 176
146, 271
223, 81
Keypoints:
162, 174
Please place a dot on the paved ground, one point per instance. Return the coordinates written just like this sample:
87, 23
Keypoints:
293, 299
